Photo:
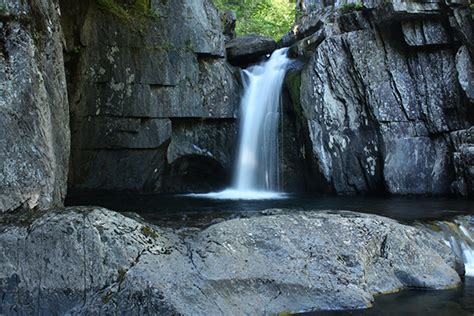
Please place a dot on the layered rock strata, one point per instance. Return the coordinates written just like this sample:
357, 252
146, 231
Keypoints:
385, 97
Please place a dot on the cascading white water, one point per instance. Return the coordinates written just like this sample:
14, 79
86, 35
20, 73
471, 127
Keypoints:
258, 162
256, 174
460, 239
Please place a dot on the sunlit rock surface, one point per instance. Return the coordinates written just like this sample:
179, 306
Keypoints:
86, 260
386, 96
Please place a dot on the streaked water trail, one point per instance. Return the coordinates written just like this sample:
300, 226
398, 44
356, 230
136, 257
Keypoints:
459, 236
257, 171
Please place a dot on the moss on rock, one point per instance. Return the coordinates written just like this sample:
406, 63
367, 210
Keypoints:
293, 84
149, 232
131, 12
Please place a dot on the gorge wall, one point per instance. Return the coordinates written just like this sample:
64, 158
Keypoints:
34, 115
384, 102
153, 101
385, 99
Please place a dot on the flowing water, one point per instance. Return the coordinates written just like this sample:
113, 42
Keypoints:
257, 172
459, 236
258, 155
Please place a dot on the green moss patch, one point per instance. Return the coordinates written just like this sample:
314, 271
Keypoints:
349, 7
150, 232
3, 9
293, 84
131, 12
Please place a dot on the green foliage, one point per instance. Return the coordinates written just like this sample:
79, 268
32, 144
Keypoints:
272, 18
348, 7
132, 12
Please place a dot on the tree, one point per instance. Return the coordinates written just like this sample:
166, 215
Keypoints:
273, 18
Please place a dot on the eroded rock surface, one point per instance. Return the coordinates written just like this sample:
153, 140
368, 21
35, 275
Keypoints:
96, 261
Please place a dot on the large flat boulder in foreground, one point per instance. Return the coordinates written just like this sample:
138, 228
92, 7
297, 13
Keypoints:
86, 260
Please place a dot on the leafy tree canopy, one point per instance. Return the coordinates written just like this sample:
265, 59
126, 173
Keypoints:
272, 18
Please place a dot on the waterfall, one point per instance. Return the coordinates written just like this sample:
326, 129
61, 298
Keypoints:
258, 162
257, 170
458, 235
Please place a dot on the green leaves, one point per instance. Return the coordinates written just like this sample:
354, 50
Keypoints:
273, 18
127, 10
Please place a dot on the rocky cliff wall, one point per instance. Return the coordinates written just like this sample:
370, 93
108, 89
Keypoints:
383, 104
386, 97
153, 101
34, 117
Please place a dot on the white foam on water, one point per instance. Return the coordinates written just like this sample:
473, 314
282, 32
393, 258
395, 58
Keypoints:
468, 256
232, 194
467, 251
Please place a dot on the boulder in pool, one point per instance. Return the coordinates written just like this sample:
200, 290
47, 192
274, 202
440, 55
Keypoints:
95, 261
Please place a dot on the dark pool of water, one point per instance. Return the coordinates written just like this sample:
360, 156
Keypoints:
457, 302
182, 211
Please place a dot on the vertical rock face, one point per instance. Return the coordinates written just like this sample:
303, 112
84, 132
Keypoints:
34, 118
386, 97
135, 81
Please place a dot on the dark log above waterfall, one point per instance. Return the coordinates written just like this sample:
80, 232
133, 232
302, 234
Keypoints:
246, 50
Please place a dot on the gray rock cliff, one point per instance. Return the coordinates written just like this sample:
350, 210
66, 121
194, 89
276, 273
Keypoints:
386, 96
34, 112
149, 96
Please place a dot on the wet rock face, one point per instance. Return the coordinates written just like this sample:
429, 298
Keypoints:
386, 97
130, 81
34, 117
97, 261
